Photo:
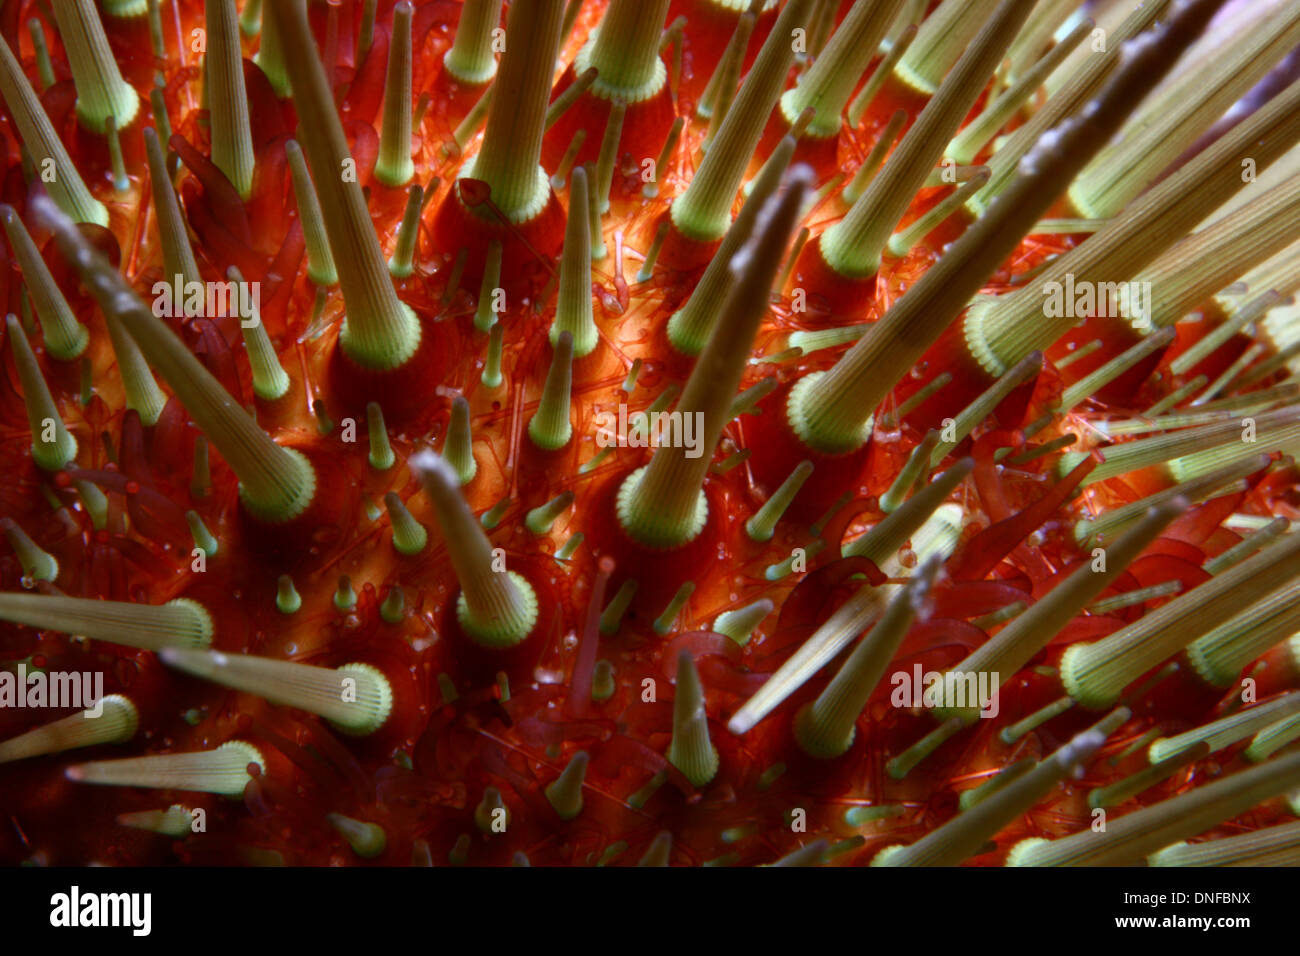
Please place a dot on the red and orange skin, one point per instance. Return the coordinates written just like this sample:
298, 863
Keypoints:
465, 218
683, 253
819, 152
775, 451
709, 29
645, 126
896, 95
407, 390
422, 775
658, 572
835, 299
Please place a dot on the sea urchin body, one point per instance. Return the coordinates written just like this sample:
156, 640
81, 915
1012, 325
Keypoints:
927, 491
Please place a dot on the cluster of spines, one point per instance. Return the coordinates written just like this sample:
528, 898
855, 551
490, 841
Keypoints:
943, 67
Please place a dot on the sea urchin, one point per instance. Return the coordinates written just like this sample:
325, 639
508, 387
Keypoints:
924, 496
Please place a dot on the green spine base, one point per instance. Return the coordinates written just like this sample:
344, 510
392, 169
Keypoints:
394, 354
535, 206
797, 416
128, 109
252, 753
548, 442
815, 131
1208, 669
605, 91
704, 774
840, 253
1074, 663
466, 76
1022, 854
74, 349
700, 231
905, 75
396, 176
648, 529
680, 337
125, 9
282, 512
977, 342
585, 339
56, 455
206, 628
380, 717
501, 635
816, 744
883, 857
